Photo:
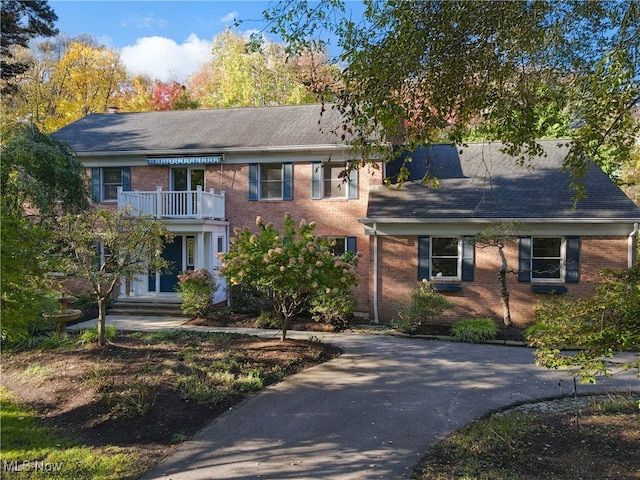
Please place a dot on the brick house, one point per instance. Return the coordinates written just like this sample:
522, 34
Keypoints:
204, 172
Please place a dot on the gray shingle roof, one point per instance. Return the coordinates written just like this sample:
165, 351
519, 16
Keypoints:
483, 182
221, 129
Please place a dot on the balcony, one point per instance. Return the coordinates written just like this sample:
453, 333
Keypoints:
160, 204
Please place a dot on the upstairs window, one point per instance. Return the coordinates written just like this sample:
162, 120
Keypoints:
328, 180
270, 181
106, 180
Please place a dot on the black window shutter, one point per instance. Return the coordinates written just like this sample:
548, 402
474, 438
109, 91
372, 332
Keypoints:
572, 258
468, 258
126, 179
316, 179
253, 181
287, 181
95, 184
423, 258
351, 244
524, 259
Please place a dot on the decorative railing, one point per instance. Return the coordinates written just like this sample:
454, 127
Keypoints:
196, 204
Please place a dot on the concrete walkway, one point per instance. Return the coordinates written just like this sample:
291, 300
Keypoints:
371, 413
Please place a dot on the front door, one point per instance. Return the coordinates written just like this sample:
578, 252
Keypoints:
172, 253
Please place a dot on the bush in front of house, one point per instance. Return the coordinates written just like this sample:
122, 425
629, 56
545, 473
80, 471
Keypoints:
196, 289
335, 310
474, 330
423, 304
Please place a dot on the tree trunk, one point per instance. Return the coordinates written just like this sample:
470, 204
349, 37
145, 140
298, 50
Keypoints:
285, 324
504, 289
102, 314
504, 297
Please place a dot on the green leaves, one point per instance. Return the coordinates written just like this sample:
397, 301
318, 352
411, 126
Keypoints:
599, 326
289, 267
423, 72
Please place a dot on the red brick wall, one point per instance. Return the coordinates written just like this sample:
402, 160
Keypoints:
333, 217
398, 276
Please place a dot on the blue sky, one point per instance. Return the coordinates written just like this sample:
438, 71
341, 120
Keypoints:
167, 40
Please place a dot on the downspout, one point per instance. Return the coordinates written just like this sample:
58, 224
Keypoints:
632, 242
226, 248
375, 274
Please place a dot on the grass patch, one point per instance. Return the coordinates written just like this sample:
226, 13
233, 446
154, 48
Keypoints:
601, 443
31, 450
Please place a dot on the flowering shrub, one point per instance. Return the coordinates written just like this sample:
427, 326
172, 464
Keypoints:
196, 289
289, 267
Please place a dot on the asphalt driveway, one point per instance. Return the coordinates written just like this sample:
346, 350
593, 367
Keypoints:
371, 413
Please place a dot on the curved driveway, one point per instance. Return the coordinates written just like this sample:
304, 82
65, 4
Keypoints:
371, 413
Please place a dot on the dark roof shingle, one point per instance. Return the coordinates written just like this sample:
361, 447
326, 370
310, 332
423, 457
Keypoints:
484, 183
221, 129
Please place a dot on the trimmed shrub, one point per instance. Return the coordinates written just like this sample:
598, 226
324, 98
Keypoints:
474, 330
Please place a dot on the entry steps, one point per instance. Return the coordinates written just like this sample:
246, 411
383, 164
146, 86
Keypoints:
151, 306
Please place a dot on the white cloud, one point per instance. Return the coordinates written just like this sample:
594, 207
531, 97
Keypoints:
229, 17
164, 59
144, 21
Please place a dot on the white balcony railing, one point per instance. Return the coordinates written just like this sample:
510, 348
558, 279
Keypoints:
169, 204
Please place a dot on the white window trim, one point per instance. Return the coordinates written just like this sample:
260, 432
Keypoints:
458, 277
267, 199
563, 260
344, 180
103, 184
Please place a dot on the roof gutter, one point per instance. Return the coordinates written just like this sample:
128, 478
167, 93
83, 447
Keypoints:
467, 220
213, 148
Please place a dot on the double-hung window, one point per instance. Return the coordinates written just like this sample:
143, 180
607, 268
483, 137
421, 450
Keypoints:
330, 180
270, 181
548, 259
445, 258
106, 180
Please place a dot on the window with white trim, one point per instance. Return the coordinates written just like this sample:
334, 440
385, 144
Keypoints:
446, 257
330, 180
271, 181
547, 258
343, 245
106, 180
111, 180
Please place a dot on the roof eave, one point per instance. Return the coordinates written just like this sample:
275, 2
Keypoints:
198, 151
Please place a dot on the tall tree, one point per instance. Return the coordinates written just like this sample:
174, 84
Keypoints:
40, 177
67, 80
107, 246
418, 72
21, 21
171, 96
248, 73
88, 78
